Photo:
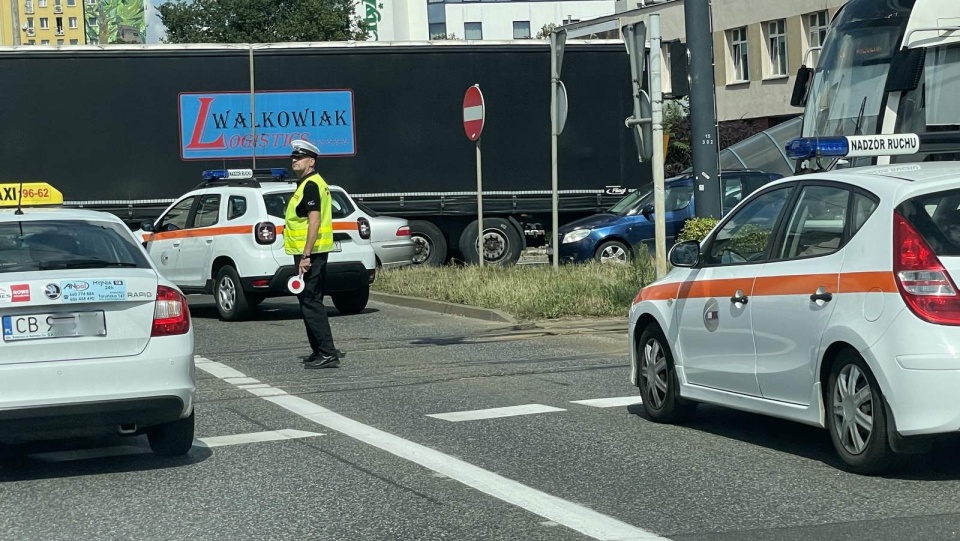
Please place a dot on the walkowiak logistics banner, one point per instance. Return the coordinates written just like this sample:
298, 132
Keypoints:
220, 125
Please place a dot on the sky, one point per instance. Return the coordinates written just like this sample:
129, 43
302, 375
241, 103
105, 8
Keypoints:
155, 29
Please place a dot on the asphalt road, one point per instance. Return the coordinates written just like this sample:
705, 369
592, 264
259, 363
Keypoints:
405, 441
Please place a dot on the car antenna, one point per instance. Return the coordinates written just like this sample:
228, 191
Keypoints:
19, 211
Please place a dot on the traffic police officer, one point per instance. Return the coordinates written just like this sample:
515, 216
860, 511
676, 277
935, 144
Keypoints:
308, 237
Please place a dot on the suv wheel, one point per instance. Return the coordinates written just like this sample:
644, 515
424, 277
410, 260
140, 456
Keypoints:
172, 439
232, 301
351, 302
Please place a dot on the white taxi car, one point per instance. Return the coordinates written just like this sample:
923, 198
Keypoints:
95, 341
829, 299
225, 238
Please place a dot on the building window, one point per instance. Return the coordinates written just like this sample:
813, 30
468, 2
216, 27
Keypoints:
42, 3
521, 29
473, 31
92, 21
31, 42
739, 54
438, 30
777, 47
73, 22
91, 2
44, 23
28, 6
59, 26
94, 41
816, 33
74, 42
71, 3
44, 42
30, 23
59, 42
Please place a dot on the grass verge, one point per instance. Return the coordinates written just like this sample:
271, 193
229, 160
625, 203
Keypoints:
527, 291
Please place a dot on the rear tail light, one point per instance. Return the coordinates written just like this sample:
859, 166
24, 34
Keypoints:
363, 225
924, 283
170, 314
265, 233
404, 231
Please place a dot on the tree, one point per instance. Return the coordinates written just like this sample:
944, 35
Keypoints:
545, 30
266, 21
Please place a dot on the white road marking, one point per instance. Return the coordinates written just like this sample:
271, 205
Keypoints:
577, 517
216, 369
254, 437
610, 402
254, 386
241, 381
493, 413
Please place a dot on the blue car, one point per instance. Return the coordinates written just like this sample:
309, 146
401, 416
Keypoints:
621, 232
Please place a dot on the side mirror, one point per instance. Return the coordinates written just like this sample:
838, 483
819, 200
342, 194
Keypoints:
685, 254
147, 226
800, 87
647, 212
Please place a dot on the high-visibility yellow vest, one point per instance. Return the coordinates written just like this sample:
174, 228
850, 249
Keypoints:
295, 227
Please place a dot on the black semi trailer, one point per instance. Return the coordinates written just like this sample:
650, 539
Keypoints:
127, 129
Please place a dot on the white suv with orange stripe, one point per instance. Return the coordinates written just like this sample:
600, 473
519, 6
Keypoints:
829, 299
225, 238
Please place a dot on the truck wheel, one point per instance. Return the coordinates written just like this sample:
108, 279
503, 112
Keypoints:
232, 302
351, 302
430, 242
502, 243
172, 439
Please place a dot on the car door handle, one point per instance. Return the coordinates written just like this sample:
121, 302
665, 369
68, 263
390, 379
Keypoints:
739, 297
209, 241
176, 244
821, 295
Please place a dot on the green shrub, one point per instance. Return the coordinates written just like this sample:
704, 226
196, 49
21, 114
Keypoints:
696, 229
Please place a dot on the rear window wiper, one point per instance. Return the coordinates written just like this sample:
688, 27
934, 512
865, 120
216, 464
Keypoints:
84, 264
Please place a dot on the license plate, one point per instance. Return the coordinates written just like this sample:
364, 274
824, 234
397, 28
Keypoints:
336, 246
62, 325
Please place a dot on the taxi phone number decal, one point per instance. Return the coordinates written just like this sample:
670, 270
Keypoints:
93, 290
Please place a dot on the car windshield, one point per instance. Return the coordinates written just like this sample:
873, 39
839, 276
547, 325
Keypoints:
62, 244
675, 197
369, 211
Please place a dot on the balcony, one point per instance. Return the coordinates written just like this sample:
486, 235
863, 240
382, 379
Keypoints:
31, 32
58, 8
60, 31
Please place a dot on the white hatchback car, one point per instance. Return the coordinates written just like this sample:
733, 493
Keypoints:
225, 238
95, 341
829, 299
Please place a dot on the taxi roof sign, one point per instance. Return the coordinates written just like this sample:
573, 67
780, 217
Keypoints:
29, 194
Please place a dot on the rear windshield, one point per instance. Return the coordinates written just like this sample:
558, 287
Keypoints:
62, 244
277, 204
936, 216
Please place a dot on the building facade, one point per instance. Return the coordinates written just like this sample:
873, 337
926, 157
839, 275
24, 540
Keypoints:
757, 48
71, 22
499, 20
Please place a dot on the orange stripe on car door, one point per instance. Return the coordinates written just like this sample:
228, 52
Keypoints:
800, 284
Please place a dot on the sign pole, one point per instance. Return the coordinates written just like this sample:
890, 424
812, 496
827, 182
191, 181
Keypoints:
474, 113
656, 107
479, 207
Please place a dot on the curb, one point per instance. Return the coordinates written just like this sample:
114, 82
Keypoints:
487, 314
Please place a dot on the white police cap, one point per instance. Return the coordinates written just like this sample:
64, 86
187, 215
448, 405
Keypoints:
304, 148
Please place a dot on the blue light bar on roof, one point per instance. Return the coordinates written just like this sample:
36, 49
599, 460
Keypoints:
811, 147
853, 146
278, 173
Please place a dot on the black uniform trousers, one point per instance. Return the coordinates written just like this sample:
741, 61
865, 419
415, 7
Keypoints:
311, 305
